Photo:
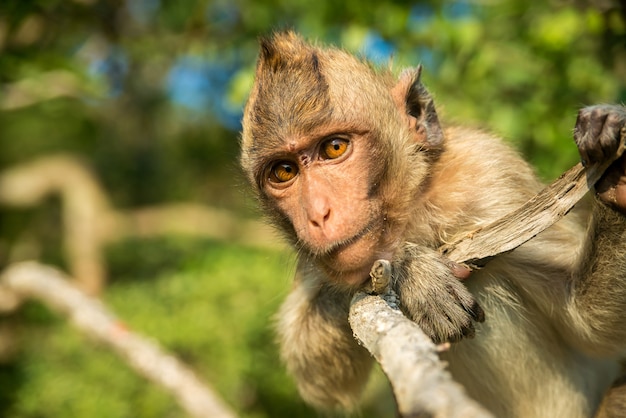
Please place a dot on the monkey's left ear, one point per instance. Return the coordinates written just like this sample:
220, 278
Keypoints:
416, 104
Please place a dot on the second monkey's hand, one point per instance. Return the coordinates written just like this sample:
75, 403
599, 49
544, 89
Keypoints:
599, 133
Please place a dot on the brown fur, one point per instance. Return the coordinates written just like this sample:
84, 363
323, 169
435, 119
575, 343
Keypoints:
553, 333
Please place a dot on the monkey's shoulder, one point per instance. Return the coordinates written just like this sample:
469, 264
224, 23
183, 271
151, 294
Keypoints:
478, 178
478, 160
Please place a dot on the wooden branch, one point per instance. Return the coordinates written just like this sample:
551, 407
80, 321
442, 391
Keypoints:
409, 358
32, 280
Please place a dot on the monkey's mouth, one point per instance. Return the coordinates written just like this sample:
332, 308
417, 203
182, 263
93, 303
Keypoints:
345, 244
335, 249
349, 261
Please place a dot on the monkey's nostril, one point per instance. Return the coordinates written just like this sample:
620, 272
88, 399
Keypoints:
320, 220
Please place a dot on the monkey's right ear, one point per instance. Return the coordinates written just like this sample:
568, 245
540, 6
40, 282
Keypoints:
416, 103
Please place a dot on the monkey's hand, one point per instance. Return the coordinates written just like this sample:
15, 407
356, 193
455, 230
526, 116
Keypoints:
599, 133
431, 295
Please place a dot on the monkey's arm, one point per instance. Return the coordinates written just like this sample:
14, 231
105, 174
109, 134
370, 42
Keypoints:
598, 301
329, 366
597, 307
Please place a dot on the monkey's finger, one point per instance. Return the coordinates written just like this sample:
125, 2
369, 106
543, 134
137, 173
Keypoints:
459, 333
466, 301
460, 271
469, 331
477, 313
448, 334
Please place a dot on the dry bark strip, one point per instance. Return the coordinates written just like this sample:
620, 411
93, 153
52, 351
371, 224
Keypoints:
535, 216
33, 280
523, 224
421, 384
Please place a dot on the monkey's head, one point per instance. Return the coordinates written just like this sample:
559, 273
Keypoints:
337, 151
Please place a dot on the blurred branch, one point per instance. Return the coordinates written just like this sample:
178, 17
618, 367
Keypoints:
33, 280
90, 221
86, 210
196, 220
45, 86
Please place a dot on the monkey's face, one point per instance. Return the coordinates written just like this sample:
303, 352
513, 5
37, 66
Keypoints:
322, 184
326, 142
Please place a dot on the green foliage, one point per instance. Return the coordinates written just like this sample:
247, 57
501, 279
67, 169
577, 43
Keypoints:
209, 304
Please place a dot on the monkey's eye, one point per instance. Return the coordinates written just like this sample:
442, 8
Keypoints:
334, 148
283, 171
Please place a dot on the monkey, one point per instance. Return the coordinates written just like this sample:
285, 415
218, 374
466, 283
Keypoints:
351, 163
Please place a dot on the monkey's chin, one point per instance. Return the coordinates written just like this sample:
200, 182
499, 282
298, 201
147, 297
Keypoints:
350, 264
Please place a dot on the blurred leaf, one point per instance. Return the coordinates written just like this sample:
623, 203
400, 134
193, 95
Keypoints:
558, 30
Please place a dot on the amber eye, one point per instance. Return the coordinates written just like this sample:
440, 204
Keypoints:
283, 171
334, 148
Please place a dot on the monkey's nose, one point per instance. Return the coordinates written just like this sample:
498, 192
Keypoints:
320, 219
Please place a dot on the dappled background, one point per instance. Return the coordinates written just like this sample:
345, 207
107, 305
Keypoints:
134, 107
